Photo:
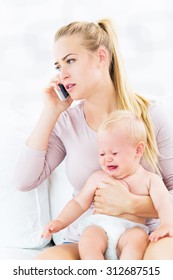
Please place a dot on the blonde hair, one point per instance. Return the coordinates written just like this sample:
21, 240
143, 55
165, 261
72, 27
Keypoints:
93, 35
132, 126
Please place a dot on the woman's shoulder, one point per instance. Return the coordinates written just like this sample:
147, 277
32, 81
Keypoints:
159, 104
154, 103
158, 110
74, 111
160, 115
70, 119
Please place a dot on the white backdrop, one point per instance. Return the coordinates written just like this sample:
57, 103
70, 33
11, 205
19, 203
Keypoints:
27, 29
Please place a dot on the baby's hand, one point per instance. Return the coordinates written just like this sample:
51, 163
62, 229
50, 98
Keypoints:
161, 231
52, 227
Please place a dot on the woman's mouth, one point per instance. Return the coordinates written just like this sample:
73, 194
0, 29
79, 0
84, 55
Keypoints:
69, 86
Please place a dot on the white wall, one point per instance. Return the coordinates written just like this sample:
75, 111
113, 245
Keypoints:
27, 29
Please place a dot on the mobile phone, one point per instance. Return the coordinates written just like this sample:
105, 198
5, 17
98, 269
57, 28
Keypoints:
62, 93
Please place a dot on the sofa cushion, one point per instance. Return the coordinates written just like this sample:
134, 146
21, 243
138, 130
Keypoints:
22, 214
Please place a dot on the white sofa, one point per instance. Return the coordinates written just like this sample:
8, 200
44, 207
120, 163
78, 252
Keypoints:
24, 214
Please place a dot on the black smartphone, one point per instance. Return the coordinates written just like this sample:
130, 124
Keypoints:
62, 93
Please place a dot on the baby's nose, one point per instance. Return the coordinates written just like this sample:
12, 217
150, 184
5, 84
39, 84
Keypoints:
109, 159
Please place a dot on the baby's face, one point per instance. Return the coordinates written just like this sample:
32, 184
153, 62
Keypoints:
118, 153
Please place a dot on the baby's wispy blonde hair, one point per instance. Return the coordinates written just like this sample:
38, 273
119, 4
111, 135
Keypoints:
134, 128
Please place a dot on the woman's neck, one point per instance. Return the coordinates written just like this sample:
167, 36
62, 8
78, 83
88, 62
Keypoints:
99, 106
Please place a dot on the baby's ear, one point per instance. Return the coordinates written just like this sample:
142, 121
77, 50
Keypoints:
140, 148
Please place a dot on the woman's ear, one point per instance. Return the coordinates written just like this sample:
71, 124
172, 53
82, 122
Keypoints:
103, 56
140, 148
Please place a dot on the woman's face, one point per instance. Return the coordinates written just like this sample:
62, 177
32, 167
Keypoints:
78, 68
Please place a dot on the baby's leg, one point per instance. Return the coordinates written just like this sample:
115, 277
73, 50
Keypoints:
93, 243
132, 244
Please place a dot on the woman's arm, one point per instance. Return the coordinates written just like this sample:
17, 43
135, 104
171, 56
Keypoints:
53, 107
164, 135
161, 199
116, 200
39, 137
44, 150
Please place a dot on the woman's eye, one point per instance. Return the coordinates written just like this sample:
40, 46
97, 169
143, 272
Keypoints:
58, 68
70, 60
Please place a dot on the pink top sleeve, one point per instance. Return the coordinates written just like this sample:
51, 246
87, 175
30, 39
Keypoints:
74, 139
164, 136
34, 166
71, 138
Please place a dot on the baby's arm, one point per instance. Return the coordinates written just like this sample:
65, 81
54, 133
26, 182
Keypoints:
69, 214
162, 202
74, 208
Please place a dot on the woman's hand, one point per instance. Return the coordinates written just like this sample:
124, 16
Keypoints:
113, 200
51, 99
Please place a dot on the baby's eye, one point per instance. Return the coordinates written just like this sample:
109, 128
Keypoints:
114, 154
102, 154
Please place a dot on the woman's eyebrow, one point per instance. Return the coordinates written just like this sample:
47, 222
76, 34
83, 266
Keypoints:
64, 58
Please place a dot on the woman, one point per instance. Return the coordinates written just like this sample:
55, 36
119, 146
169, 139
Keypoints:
88, 60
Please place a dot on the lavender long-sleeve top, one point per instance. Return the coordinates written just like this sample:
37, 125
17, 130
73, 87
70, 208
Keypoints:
74, 139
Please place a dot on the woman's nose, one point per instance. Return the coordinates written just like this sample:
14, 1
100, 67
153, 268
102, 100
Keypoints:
64, 74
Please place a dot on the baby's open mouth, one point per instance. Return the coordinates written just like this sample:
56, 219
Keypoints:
112, 167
